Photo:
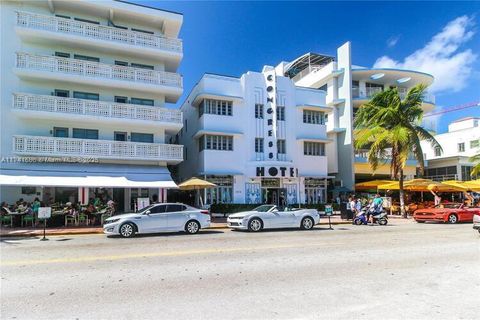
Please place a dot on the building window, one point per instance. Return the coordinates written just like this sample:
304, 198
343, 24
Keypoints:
461, 147
280, 113
86, 58
61, 93
467, 173
143, 31
121, 63
62, 54
119, 136
218, 107
62, 16
86, 95
438, 151
87, 21
119, 99
223, 193
474, 144
141, 137
143, 102
313, 117
313, 148
258, 111
258, 145
142, 66
60, 132
85, 133
281, 146
214, 142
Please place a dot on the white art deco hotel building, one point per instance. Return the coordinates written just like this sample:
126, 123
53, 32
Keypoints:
260, 138
88, 81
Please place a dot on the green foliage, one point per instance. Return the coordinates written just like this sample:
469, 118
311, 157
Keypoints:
476, 167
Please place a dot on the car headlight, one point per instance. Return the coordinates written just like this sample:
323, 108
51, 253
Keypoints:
111, 221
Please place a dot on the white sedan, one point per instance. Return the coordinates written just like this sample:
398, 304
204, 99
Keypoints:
161, 217
270, 217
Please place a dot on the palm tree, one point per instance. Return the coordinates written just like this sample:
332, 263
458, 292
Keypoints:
476, 168
390, 128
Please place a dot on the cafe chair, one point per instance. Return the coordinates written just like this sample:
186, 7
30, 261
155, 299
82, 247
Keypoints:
70, 219
7, 219
28, 218
83, 218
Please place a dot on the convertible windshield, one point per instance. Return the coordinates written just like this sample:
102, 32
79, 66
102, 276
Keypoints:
264, 208
448, 206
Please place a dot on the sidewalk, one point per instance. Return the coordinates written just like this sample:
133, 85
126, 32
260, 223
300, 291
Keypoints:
217, 223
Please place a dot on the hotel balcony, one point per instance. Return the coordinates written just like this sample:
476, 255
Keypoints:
55, 30
40, 67
100, 149
362, 96
33, 106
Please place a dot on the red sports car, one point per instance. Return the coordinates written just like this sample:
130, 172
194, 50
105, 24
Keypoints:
448, 212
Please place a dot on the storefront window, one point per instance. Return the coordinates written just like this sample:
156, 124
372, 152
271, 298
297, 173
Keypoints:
315, 191
223, 193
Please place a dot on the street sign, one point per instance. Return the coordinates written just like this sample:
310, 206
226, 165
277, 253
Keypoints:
44, 212
142, 203
328, 210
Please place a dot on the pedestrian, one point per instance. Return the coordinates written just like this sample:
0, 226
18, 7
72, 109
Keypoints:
352, 206
436, 198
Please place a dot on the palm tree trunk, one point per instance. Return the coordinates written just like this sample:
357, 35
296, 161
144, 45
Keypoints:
402, 195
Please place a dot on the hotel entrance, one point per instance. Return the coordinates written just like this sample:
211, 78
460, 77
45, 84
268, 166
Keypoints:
272, 193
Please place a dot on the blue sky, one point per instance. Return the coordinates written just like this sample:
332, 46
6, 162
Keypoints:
442, 38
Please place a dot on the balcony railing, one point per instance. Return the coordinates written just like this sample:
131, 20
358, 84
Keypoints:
72, 106
363, 153
98, 32
96, 70
102, 149
370, 92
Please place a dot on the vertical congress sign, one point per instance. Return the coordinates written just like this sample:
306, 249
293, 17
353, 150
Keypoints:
271, 117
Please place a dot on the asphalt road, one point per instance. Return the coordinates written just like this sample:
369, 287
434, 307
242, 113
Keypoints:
404, 270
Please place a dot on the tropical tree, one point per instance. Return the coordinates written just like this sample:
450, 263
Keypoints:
391, 128
476, 167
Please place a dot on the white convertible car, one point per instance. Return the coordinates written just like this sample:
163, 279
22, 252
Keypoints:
270, 217
161, 217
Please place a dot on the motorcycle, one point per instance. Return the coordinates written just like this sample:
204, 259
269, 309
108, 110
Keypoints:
379, 217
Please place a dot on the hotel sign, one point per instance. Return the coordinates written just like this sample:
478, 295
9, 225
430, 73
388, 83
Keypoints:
271, 118
288, 172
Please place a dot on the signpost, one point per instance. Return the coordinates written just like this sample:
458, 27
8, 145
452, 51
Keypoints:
44, 213
328, 213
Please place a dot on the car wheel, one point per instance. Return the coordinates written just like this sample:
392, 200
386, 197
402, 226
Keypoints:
127, 230
192, 227
452, 219
307, 223
255, 225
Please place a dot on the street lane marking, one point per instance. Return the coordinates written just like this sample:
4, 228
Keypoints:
152, 255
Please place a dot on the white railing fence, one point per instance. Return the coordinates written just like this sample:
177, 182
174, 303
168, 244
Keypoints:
50, 146
33, 102
99, 32
96, 69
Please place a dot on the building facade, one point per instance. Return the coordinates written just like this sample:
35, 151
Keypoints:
88, 81
259, 137
458, 145
348, 87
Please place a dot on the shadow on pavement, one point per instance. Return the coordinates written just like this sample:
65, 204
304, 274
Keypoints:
166, 234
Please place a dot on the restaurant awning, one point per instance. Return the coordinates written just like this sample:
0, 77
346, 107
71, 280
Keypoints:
86, 175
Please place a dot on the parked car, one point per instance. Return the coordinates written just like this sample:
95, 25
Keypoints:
476, 222
448, 212
161, 217
270, 217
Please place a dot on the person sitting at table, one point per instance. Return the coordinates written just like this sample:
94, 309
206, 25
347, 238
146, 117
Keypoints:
28, 208
5, 209
22, 207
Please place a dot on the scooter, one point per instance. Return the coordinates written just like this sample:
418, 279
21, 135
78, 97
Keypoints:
378, 217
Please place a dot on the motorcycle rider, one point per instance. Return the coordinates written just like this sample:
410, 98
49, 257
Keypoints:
377, 207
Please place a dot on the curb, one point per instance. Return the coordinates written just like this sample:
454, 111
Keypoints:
69, 233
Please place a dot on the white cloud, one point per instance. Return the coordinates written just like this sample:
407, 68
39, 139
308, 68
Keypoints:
392, 41
441, 56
